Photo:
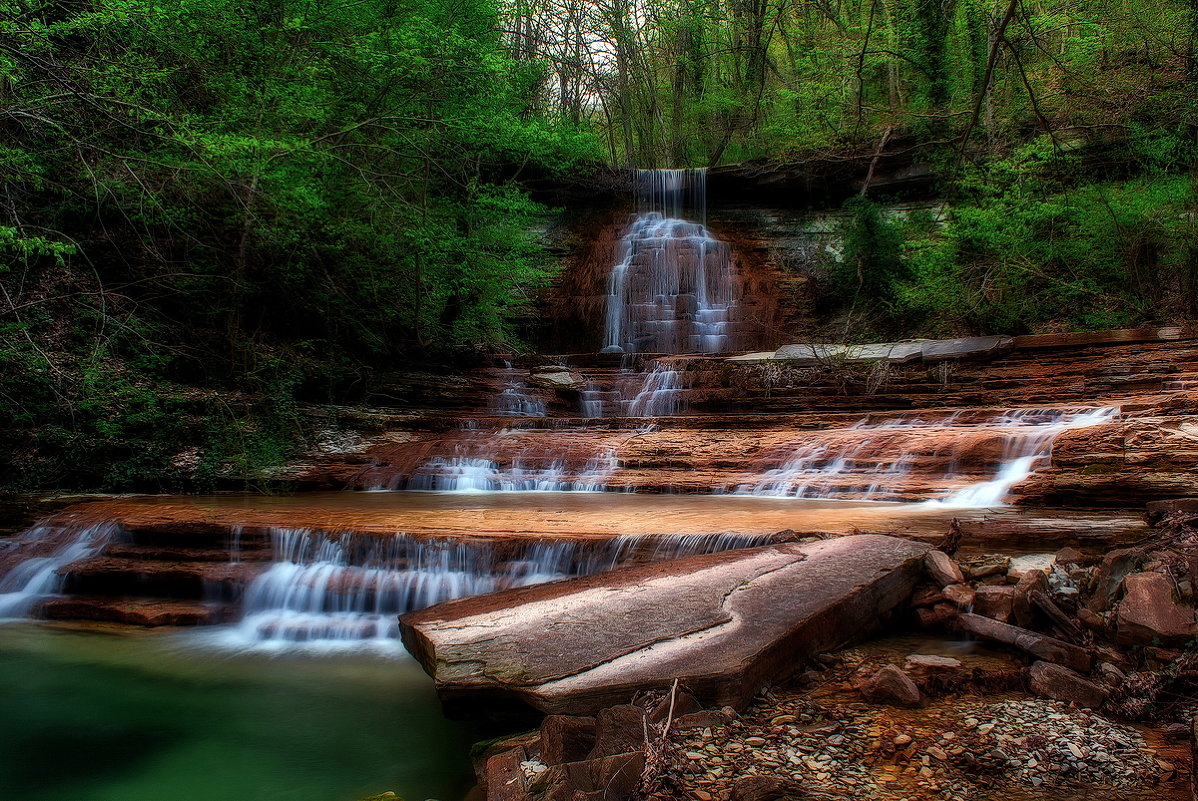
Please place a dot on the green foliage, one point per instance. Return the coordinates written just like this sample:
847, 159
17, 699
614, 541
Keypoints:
1097, 256
692, 82
198, 192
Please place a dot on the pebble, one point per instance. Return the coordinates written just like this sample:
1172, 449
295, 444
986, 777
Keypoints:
1032, 743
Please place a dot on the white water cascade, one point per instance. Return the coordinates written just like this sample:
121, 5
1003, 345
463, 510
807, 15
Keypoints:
869, 461
673, 287
334, 592
515, 400
37, 578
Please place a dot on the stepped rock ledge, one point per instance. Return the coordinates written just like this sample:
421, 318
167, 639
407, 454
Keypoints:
724, 624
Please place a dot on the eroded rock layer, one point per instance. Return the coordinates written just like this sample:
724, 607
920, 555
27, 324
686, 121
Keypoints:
723, 624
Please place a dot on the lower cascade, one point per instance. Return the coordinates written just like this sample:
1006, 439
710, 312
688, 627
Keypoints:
38, 575
327, 592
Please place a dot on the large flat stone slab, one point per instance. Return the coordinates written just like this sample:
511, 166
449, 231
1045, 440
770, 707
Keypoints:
723, 624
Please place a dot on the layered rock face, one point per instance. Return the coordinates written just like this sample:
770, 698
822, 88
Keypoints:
724, 625
1114, 412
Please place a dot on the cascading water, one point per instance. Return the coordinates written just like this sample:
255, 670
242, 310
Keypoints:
870, 461
331, 592
673, 287
515, 400
38, 576
1024, 455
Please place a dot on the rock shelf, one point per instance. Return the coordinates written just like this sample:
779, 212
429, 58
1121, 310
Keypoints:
724, 624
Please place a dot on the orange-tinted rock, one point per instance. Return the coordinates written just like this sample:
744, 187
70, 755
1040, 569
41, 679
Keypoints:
994, 601
1149, 613
724, 625
1062, 684
890, 685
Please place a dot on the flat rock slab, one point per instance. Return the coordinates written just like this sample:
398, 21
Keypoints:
724, 624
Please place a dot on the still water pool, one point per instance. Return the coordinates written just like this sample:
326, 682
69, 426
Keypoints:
113, 716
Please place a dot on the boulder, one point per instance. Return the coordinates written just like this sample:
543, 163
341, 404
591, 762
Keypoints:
682, 703
927, 596
724, 624
1040, 646
1149, 614
943, 569
566, 738
889, 685
1115, 566
994, 601
938, 615
1020, 565
1062, 684
505, 778
1072, 557
1022, 607
931, 665
989, 565
960, 594
557, 378
618, 730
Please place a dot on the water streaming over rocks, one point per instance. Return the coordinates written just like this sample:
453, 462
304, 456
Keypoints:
332, 591
673, 287
870, 460
36, 560
327, 591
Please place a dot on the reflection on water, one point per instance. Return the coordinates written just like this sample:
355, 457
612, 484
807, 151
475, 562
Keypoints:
106, 717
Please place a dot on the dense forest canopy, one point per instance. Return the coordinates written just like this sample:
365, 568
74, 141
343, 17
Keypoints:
212, 210
694, 82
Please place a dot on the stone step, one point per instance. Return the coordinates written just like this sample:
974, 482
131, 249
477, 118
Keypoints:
723, 625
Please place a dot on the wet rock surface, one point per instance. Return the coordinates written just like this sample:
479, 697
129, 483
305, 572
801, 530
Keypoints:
724, 624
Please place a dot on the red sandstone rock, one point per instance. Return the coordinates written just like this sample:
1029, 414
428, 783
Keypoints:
961, 595
566, 738
618, 730
994, 601
1022, 608
1062, 684
943, 569
1115, 567
931, 665
938, 615
505, 778
890, 685
724, 624
1149, 613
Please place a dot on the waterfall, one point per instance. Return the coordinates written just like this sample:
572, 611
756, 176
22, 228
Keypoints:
871, 461
38, 577
515, 401
333, 592
471, 473
1024, 455
657, 392
673, 287
661, 394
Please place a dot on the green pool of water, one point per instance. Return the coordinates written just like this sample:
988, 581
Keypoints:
94, 716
